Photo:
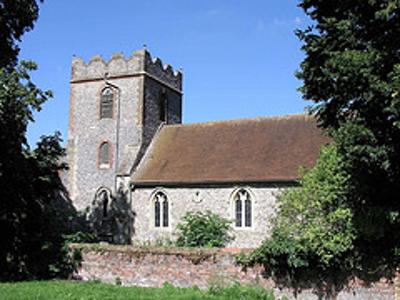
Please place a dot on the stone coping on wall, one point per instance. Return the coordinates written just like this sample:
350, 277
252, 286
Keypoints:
166, 250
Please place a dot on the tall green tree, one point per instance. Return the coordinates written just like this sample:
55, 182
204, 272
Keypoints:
344, 219
29, 183
16, 18
35, 213
352, 74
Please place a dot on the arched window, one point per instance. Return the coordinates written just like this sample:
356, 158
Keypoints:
165, 213
104, 201
161, 210
243, 209
101, 203
238, 213
157, 212
104, 155
106, 103
163, 107
247, 212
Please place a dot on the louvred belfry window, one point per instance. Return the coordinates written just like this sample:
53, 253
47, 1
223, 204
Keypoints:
163, 107
106, 104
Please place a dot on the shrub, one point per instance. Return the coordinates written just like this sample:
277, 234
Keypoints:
203, 229
80, 237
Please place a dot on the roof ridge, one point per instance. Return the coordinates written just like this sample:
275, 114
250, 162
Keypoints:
241, 120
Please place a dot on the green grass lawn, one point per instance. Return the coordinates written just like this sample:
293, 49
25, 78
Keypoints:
62, 290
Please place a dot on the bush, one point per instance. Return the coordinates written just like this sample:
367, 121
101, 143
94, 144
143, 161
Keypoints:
203, 229
80, 237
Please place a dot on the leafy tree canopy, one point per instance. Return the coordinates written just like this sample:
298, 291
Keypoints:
16, 18
30, 215
352, 74
344, 220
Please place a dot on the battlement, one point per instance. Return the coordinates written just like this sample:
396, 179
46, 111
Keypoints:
140, 63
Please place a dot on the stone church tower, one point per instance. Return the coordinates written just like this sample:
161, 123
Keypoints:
116, 108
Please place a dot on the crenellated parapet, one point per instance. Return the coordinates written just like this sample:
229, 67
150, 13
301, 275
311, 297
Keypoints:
140, 63
165, 72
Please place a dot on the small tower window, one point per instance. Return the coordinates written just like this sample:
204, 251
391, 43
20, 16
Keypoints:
104, 155
161, 210
243, 209
106, 104
163, 105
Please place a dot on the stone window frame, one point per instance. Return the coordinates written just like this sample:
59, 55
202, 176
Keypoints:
100, 165
243, 213
152, 211
99, 102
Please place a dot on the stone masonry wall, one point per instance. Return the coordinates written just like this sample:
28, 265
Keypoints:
152, 267
218, 199
136, 82
90, 131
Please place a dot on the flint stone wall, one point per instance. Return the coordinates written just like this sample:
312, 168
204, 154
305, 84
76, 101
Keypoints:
137, 82
218, 199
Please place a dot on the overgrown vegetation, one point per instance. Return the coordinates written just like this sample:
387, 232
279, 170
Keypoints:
57, 290
35, 214
352, 74
16, 18
203, 229
344, 220
32, 193
314, 231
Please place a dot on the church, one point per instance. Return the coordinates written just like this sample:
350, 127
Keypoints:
132, 161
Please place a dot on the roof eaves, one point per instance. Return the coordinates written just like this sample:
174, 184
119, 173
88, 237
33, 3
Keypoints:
149, 183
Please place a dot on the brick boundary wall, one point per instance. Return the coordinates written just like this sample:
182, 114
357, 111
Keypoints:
183, 267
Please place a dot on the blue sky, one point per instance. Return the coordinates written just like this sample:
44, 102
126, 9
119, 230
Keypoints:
238, 57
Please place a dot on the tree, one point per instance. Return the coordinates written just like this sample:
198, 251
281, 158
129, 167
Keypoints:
16, 18
344, 219
32, 244
35, 213
352, 73
314, 232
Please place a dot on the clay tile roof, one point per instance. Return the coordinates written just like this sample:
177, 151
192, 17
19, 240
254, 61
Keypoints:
249, 150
